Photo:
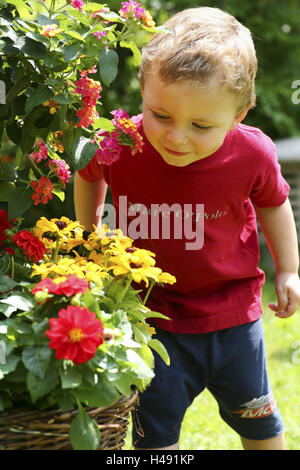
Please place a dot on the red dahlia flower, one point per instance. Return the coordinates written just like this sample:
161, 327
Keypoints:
76, 334
4, 224
31, 246
71, 286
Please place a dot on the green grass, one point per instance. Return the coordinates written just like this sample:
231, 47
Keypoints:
203, 429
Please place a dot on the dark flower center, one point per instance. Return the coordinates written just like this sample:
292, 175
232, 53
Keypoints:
61, 224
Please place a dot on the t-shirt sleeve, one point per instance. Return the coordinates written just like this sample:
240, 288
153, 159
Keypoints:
93, 171
269, 188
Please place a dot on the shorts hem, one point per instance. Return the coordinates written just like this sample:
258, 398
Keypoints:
253, 437
155, 442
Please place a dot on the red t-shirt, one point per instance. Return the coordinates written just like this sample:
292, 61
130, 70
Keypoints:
218, 285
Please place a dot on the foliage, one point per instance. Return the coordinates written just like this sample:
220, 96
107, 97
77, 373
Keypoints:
52, 56
80, 283
276, 32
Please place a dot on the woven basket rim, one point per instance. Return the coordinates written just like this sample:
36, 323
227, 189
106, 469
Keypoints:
49, 429
122, 402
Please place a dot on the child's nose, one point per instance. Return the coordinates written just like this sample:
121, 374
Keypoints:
177, 136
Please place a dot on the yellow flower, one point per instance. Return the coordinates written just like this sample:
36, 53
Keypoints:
50, 30
62, 226
97, 258
138, 273
150, 329
167, 278
107, 236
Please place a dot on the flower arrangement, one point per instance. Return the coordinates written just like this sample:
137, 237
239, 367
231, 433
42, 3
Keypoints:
73, 329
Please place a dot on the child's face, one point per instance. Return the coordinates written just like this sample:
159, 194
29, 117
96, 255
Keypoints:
183, 123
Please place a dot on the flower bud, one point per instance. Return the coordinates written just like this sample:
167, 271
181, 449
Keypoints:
41, 297
76, 300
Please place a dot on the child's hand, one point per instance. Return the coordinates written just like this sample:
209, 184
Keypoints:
288, 294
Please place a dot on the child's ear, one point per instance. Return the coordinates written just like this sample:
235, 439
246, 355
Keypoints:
239, 118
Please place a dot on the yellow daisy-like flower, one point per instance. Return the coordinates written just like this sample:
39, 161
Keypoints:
138, 272
167, 278
91, 241
107, 236
61, 227
62, 267
97, 258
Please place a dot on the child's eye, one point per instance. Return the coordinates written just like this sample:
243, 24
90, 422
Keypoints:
197, 126
159, 116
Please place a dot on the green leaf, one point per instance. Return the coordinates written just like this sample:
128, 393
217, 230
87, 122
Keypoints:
37, 97
40, 387
123, 384
134, 49
10, 364
84, 432
160, 349
75, 35
139, 365
108, 63
83, 152
152, 314
37, 359
35, 49
7, 310
19, 202
59, 193
4, 263
103, 124
70, 378
8, 172
91, 303
6, 283
23, 9
6, 189
19, 302
17, 88
101, 394
71, 52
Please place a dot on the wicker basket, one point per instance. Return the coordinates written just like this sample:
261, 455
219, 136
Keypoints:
49, 430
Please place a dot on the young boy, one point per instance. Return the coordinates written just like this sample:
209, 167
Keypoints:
197, 85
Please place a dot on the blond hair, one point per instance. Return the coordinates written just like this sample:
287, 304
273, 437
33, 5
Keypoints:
204, 44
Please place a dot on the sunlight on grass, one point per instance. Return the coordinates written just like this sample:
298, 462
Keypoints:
203, 428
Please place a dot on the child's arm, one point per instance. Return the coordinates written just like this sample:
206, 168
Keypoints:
279, 229
87, 199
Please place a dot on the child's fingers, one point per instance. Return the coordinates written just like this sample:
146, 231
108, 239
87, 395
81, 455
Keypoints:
273, 307
287, 312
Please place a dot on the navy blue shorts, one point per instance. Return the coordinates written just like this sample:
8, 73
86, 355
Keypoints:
231, 364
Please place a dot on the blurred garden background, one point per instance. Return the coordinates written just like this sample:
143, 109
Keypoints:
275, 25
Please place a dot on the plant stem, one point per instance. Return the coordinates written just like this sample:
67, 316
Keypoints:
152, 282
127, 285
55, 251
12, 267
34, 165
